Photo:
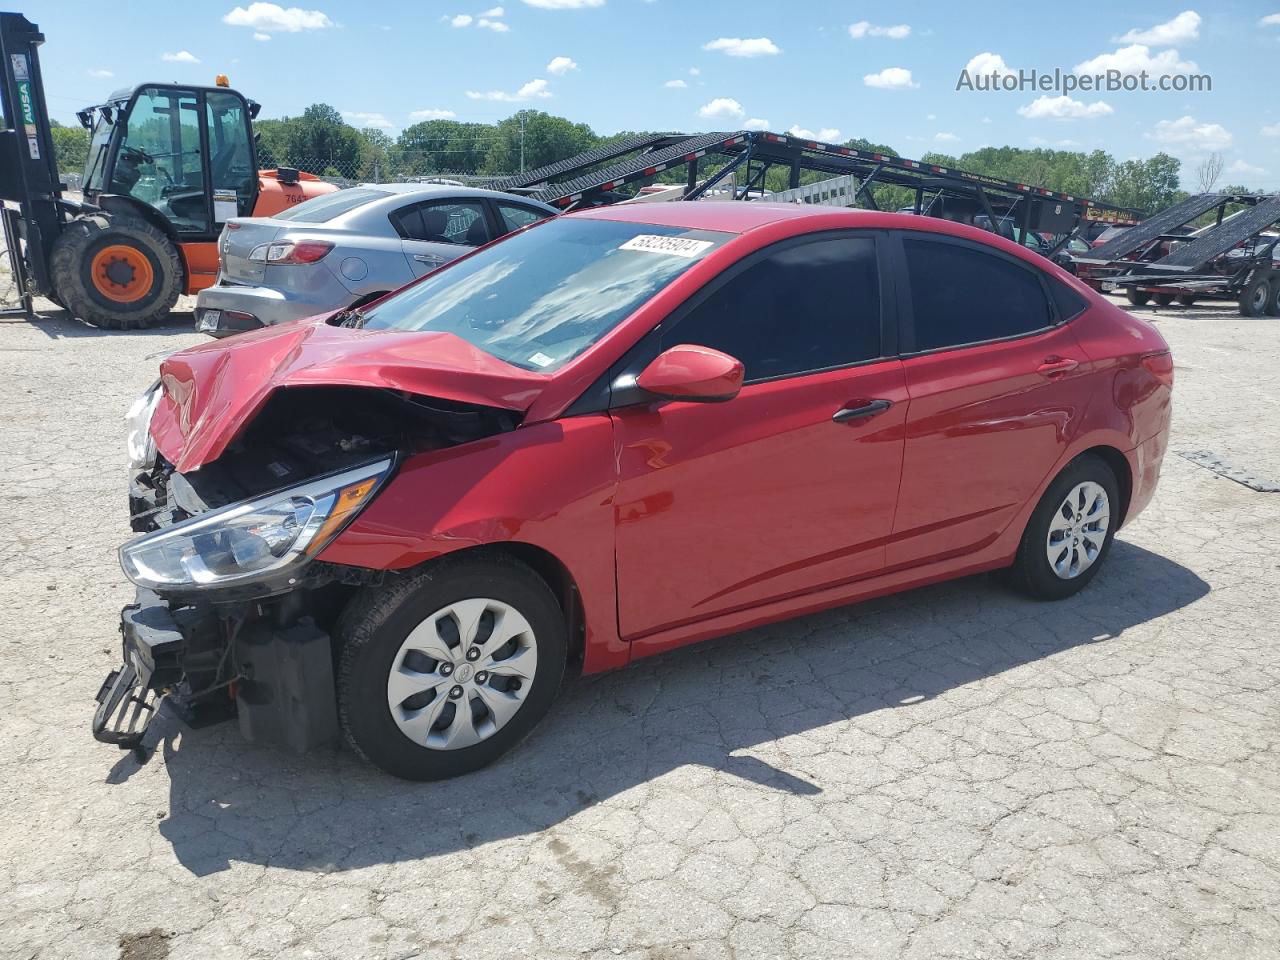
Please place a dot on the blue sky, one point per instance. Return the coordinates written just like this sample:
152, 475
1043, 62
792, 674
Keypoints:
837, 70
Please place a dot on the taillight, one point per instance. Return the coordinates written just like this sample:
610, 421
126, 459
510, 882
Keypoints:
1160, 366
290, 251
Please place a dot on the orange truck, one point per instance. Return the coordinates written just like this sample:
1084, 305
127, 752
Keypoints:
168, 165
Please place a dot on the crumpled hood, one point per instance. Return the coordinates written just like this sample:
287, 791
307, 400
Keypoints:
212, 391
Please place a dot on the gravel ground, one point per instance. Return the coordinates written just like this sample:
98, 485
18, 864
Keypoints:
952, 772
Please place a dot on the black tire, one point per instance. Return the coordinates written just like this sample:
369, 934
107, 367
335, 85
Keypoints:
1136, 297
1273, 305
71, 266
1031, 572
1186, 299
1163, 299
1255, 298
376, 623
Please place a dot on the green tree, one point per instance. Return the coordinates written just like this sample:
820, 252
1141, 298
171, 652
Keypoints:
1148, 185
435, 146
545, 139
375, 155
70, 147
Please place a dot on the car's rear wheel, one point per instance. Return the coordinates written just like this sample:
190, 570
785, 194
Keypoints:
443, 672
1136, 297
1070, 531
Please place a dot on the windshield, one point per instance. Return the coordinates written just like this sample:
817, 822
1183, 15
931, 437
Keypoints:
539, 298
325, 207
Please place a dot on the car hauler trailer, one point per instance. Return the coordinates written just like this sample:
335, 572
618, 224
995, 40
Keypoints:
1234, 258
744, 157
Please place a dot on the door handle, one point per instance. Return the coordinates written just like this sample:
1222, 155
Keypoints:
1055, 365
428, 259
862, 410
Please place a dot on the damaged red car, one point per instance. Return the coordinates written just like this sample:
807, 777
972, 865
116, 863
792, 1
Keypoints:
605, 436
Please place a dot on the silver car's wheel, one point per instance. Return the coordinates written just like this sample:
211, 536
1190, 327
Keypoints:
1078, 530
462, 674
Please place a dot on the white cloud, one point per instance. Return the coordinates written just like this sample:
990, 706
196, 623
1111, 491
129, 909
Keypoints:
1135, 59
931, 116
944, 137
725, 107
826, 133
100, 74
559, 66
1246, 169
1063, 108
890, 78
1270, 20
273, 18
675, 84
1187, 133
262, 37
1041, 142
695, 72
985, 64
756, 123
461, 20
497, 26
494, 12
1183, 28
531, 90
865, 29
986, 119
182, 56
361, 118
738, 47
431, 113
564, 4
1269, 130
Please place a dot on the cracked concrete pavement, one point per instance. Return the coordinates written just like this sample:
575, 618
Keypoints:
951, 772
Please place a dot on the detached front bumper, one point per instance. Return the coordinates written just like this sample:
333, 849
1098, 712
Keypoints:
219, 662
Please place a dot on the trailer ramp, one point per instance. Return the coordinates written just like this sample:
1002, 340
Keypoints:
601, 154
1216, 241
1148, 230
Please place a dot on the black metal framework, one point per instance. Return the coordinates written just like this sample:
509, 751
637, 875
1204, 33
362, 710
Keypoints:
580, 181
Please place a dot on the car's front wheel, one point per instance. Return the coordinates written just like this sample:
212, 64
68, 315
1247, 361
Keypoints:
444, 671
1070, 531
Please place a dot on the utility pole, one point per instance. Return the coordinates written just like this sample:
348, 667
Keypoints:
522, 120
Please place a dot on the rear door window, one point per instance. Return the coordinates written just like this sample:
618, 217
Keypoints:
462, 222
324, 208
515, 216
805, 307
962, 295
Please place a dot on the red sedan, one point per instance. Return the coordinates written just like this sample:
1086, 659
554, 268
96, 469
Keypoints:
608, 435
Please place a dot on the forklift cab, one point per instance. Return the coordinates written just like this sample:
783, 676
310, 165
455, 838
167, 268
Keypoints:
185, 152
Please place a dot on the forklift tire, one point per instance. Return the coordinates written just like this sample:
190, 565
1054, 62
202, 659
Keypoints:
1136, 297
1256, 298
1186, 299
1163, 299
117, 273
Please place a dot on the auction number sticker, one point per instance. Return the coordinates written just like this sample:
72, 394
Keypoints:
673, 246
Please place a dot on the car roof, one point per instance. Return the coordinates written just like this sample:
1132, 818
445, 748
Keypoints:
428, 190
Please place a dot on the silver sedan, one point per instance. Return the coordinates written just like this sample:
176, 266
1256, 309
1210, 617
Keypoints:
347, 248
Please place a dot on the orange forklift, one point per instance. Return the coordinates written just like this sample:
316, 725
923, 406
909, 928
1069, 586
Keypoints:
168, 165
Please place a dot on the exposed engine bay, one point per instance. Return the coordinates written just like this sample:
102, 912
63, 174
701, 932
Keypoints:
262, 652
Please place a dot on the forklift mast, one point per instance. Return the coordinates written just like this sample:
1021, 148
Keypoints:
28, 168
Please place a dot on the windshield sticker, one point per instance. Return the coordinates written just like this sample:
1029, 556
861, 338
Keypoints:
673, 246
542, 360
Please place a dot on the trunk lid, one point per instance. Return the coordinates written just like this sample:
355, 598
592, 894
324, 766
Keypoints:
239, 238
213, 391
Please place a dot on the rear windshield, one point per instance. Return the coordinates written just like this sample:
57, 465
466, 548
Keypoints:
327, 206
539, 298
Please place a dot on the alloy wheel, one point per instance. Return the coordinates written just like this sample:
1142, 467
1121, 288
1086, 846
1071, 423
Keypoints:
462, 674
1078, 530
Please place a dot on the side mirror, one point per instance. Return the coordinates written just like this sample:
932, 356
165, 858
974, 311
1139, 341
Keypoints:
687, 372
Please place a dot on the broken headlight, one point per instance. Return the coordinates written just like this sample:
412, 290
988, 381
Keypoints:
252, 540
142, 448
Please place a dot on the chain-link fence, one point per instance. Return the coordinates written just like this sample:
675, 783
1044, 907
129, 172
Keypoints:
346, 173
